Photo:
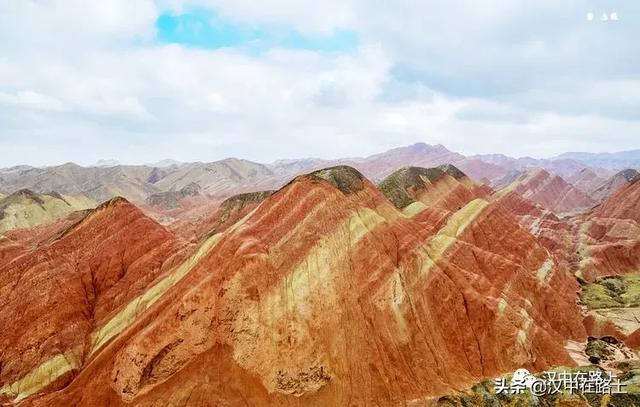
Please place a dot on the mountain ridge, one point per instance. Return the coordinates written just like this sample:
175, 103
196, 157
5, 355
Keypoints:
230, 176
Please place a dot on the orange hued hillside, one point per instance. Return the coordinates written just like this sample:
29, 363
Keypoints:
550, 191
324, 293
609, 238
53, 296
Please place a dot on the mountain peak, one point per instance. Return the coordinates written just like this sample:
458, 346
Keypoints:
629, 174
113, 202
346, 179
241, 199
402, 185
424, 147
452, 170
106, 163
538, 173
167, 162
550, 191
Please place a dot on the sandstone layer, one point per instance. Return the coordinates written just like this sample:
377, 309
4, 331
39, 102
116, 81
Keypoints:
328, 291
550, 191
322, 293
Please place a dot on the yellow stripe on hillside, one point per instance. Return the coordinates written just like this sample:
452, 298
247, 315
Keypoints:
40, 377
312, 283
413, 209
438, 190
315, 267
583, 248
543, 271
448, 235
515, 184
138, 305
53, 368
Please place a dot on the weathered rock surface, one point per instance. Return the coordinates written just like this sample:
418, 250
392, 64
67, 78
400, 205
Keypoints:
445, 187
612, 306
608, 187
329, 291
324, 293
550, 191
608, 238
206, 220
624, 204
52, 296
586, 180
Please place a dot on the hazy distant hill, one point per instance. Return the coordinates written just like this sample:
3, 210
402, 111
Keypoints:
619, 160
550, 191
561, 167
139, 182
378, 166
226, 177
613, 184
216, 177
24, 208
98, 183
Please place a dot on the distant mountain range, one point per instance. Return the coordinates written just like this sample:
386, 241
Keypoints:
223, 178
619, 160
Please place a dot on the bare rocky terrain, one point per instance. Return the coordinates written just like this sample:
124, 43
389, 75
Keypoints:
330, 289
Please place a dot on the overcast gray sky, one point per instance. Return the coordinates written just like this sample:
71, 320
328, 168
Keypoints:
143, 80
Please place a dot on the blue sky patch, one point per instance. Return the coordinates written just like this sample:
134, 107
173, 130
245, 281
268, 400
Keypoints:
204, 28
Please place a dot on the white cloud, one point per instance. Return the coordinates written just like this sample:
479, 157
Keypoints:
67, 26
29, 99
84, 80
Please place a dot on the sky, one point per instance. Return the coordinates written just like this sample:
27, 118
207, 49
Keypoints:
140, 81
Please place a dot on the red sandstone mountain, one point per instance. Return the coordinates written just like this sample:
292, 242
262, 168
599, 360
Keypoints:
550, 231
324, 293
623, 204
586, 180
594, 246
413, 189
613, 184
216, 217
603, 241
609, 239
55, 294
440, 280
550, 191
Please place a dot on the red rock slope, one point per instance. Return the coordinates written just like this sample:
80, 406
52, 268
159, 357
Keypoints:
586, 180
605, 189
554, 234
550, 191
214, 218
324, 294
55, 295
609, 238
623, 204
